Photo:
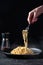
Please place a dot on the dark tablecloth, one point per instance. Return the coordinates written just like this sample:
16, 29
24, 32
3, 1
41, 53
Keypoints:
9, 61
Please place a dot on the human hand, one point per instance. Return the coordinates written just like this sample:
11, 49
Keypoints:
33, 15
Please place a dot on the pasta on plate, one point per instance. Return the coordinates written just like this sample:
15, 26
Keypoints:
21, 51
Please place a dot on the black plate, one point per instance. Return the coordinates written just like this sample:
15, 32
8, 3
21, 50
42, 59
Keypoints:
37, 54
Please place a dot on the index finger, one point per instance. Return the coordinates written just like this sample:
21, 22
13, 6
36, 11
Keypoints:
31, 15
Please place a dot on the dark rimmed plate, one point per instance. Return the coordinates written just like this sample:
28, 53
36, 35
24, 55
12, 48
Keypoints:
37, 54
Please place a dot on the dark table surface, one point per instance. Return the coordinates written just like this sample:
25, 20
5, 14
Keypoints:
9, 61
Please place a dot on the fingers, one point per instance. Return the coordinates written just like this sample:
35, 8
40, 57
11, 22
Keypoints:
34, 20
32, 17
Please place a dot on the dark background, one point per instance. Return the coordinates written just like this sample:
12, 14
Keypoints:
13, 18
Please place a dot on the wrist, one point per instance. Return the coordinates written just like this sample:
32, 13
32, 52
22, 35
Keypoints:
41, 9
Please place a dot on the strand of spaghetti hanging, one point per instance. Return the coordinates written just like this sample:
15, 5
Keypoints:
25, 35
